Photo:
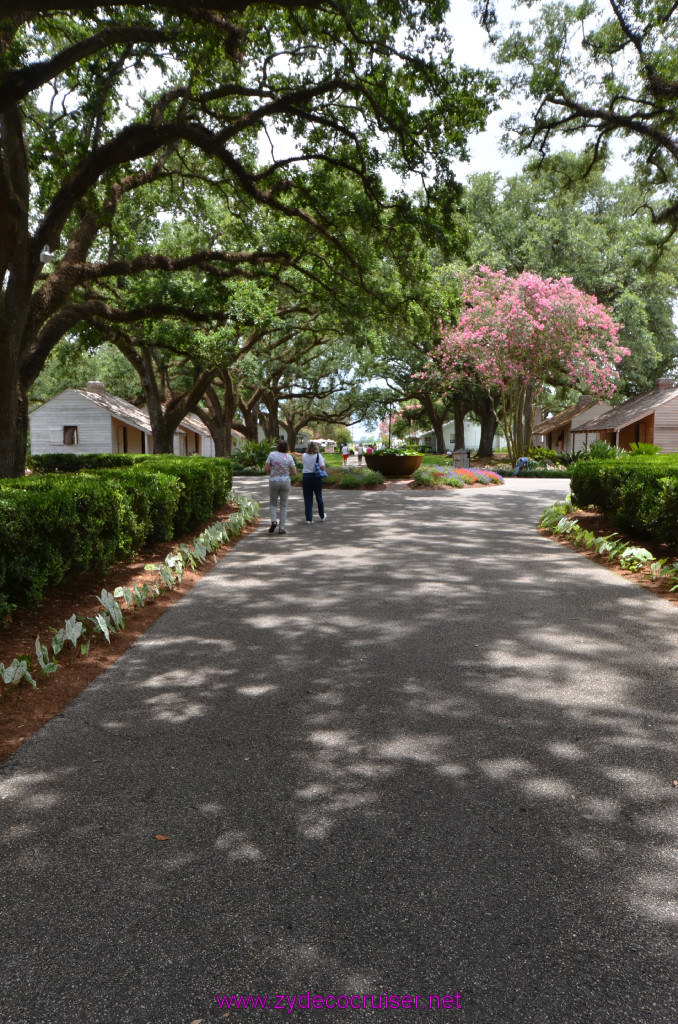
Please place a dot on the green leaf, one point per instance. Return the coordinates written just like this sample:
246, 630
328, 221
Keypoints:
107, 600
103, 625
44, 661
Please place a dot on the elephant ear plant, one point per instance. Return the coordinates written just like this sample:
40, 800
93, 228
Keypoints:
82, 630
557, 519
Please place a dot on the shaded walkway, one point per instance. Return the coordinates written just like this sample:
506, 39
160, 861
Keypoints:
417, 748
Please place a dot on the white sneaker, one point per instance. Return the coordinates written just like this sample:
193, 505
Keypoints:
323, 518
309, 522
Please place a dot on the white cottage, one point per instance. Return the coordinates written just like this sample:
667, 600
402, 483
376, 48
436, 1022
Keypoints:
89, 421
562, 432
471, 436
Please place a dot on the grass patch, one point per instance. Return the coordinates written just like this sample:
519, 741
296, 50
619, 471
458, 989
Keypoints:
348, 479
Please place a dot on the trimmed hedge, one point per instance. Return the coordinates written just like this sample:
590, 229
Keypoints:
206, 481
541, 474
66, 462
58, 524
639, 493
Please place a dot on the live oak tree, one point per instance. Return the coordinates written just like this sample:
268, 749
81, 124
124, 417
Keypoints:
99, 101
605, 69
71, 364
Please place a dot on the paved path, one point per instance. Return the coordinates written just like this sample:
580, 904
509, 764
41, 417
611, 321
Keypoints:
418, 748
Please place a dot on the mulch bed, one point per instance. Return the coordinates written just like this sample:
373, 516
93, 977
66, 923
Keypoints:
25, 710
590, 519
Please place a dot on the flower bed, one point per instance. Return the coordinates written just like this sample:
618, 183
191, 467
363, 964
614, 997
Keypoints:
447, 476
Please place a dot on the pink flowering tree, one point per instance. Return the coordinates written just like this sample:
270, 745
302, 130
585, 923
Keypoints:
517, 335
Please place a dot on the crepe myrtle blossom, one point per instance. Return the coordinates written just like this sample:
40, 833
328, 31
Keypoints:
516, 335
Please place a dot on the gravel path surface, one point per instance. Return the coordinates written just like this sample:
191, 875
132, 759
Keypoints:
418, 749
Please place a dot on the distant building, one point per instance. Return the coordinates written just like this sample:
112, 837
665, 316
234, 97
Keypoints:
88, 421
651, 418
471, 436
559, 432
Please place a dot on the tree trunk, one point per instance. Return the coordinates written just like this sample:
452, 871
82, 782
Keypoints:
223, 439
251, 421
528, 414
13, 424
488, 428
436, 421
272, 404
218, 417
292, 435
460, 410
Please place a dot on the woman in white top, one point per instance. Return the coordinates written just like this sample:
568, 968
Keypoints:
311, 483
279, 466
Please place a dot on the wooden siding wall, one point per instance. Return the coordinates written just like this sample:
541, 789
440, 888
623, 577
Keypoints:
134, 439
641, 431
666, 426
193, 446
70, 409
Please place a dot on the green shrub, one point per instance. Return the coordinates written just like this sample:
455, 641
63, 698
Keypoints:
154, 498
206, 481
53, 525
643, 448
536, 472
252, 454
352, 479
66, 462
638, 492
348, 479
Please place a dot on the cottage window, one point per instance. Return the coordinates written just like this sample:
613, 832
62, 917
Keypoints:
70, 435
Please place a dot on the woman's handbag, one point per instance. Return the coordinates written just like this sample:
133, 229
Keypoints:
319, 470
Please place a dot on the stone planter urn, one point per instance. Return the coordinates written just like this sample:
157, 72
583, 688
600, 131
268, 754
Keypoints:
394, 465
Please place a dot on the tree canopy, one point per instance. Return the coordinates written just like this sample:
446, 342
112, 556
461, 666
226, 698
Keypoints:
604, 68
107, 107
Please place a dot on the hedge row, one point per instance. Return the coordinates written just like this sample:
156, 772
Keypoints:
638, 493
66, 462
535, 473
54, 525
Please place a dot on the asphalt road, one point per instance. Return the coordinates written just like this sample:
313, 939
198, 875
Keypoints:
418, 749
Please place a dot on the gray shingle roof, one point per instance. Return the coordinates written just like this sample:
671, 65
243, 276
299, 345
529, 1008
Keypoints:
119, 408
565, 416
628, 412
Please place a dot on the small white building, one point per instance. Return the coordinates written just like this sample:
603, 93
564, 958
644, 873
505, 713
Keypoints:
90, 421
562, 432
471, 436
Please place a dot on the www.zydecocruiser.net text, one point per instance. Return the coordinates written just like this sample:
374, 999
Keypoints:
307, 1001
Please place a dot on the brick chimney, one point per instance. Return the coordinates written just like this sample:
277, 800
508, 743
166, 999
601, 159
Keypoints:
97, 386
665, 384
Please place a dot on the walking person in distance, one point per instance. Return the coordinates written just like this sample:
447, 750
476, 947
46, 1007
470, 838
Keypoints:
313, 468
279, 466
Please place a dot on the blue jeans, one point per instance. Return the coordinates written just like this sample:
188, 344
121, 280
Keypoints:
312, 484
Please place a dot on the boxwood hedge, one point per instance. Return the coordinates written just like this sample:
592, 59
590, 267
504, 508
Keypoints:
55, 524
638, 493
